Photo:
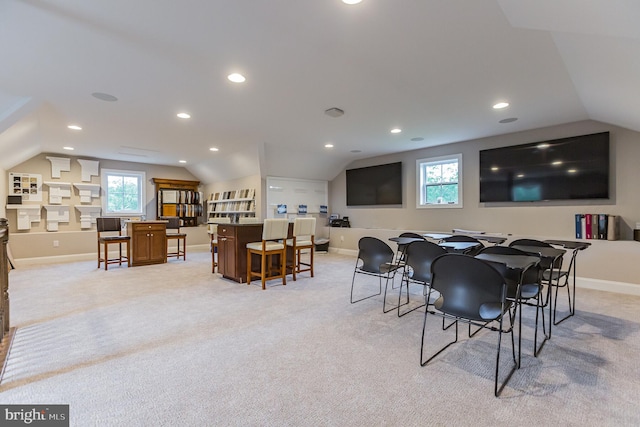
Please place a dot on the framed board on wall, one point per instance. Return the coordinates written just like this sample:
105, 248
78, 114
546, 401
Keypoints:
27, 185
296, 192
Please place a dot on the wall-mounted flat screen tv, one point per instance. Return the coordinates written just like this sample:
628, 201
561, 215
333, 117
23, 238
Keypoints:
375, 185
575, 168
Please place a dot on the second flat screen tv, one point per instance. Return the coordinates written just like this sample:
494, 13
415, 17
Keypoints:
375, 185
575, 168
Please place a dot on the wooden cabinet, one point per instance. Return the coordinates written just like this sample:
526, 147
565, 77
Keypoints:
232, 249
148, 242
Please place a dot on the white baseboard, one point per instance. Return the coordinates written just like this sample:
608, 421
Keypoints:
60, 259
581, 282
608, 286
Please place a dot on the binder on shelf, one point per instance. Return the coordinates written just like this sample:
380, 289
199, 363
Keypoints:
588, 228
594, 226
579, 234
613, 228
302, 209
602, 226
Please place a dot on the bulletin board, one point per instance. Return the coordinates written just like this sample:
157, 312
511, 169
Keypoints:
27, 185
296, 194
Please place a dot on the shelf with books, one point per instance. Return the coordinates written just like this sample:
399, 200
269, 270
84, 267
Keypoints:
179, 198
597, 226
233, 204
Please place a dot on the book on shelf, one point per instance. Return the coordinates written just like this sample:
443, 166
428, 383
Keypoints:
579, 233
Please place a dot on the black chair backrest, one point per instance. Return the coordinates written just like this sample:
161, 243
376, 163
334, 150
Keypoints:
538, 243
414, 235
374, 253
108, 224
174, 223
531, 275
419, 257
469, 287
461, 238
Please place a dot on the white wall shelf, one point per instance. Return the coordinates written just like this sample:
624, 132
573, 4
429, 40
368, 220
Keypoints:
88, 215
89, 168
26, 215
87, 191
59, 164
56, 214
58, 190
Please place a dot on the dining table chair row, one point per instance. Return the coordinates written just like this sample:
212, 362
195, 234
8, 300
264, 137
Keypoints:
486, 288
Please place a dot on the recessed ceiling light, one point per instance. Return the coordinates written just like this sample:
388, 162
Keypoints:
494, 168
68, 148
572, 170
500, 105
509, 120
396, 130
520, 175
557, 163
74, 127
184, 115
182, 161
329, 145
214, 149
351, 1
236, 78
104, 96
542, 146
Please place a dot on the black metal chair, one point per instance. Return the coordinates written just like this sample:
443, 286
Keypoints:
529, 284
462, 238
471, 291
417, 268
402, 248
552, 273
375, 258
110, 232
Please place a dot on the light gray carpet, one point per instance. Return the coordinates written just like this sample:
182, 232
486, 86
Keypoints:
174, 345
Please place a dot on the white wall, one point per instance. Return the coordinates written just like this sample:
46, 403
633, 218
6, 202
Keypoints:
604, 261
71, 239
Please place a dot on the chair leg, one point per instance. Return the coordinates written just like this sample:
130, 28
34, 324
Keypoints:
353, 279
295, 267
106, 256
263, 274
283, 266
248, 267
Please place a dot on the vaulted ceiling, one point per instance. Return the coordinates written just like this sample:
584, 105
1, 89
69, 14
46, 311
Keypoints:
432, 68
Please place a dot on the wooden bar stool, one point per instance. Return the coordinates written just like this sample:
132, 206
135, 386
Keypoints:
173, 233
304, 230
110, 232
274, 236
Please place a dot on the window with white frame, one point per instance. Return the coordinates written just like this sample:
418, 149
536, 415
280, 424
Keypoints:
124, 192
439, 182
